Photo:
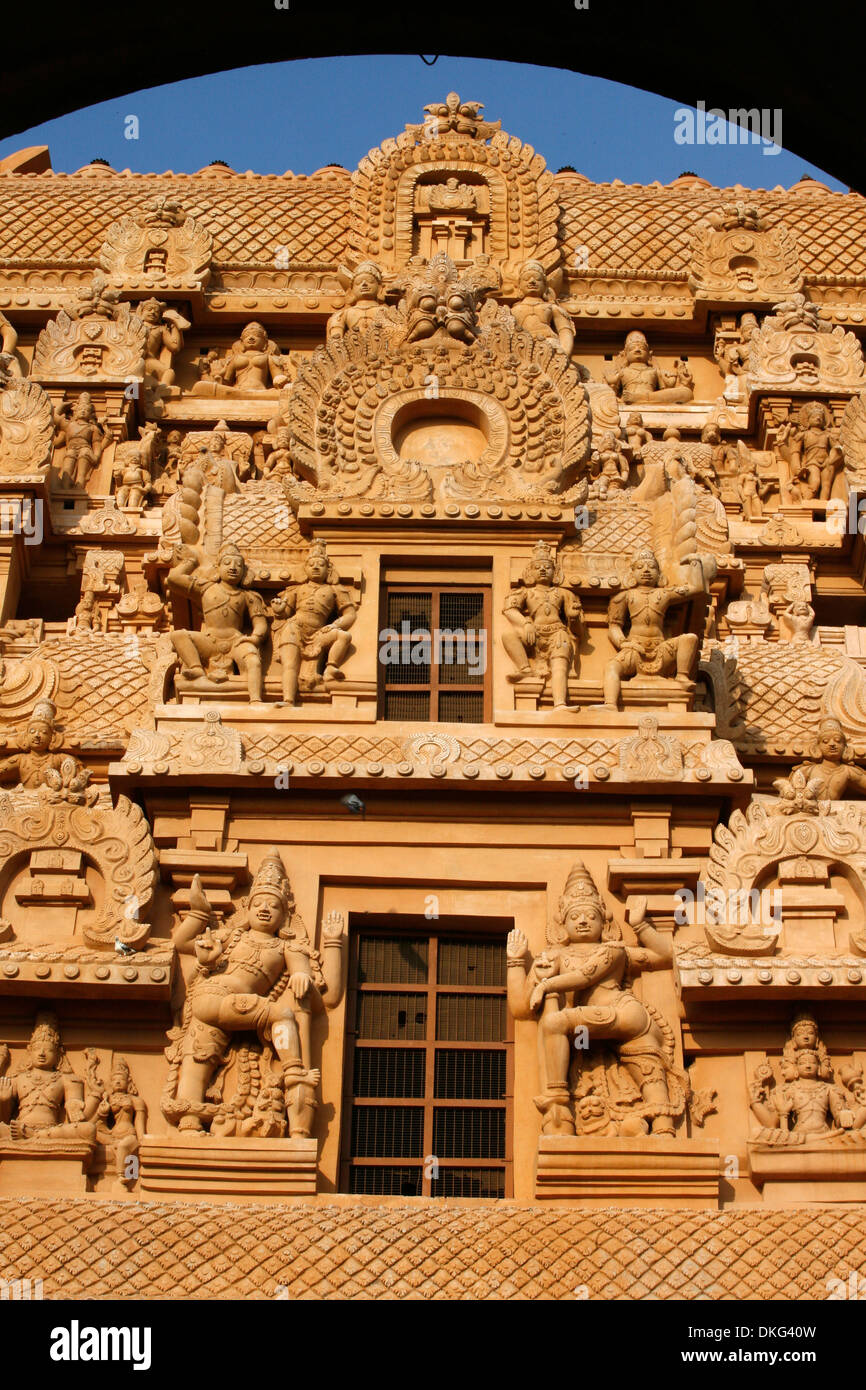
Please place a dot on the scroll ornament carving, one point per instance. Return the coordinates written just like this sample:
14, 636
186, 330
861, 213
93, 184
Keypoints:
157, 247
91, 346
795, 347
116, 840
26, 426
736, 257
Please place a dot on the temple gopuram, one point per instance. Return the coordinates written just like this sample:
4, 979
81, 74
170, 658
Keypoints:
433, 719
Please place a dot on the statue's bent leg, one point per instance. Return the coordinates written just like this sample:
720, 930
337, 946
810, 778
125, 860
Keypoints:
516, 650
338, 644
687, 646
187, 648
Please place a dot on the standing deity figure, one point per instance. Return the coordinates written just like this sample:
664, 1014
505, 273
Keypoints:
546, 621
579, 985
234, 619
318, 614
610, 466
85, 439
121, 1114
830, 772
217, 464
809, 1105
256, 974
732, 353
538, 313
645, 650
165, 330
29, 767
812, 454
364, 299
638, 381
253, 365
44, 1099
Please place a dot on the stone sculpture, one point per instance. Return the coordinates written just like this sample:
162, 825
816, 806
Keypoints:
83, 439
253, 366
317, 615
637, 381
809, 1106
44, 1099
546, 623
538, 313
235, 623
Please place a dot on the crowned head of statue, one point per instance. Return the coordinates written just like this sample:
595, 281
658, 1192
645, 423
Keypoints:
581, 917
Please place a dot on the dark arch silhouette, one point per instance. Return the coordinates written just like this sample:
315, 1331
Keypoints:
805, 60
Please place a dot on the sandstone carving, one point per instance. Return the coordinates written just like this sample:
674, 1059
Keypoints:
796, 348
808, 445
83, 439
95, 339
808, 1106
235, 622
253, 367
157, 246
546, 622
317, 614
636, 380
26, 426
737, 257
43, 1102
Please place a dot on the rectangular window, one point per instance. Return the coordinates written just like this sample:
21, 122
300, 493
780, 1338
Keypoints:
434, 654
427, 1108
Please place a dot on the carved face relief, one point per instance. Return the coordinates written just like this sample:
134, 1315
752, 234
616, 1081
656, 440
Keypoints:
646, 571
44, 1052
254, 338
316, 567
532, 280
39, 736
583, 922
267, 911
832, 743
365, 284
637, 348
808, 1064
232, 568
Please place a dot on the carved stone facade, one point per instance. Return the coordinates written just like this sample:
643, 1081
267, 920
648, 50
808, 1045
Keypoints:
433, 715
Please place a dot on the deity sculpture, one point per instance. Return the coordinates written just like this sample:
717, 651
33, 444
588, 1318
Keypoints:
638, 381
546, 621
256, 974
278, 464
166, 482
84, 438
439, 304
610, 466
234, 619
732, 352
830, 772
28, 768
580, 984
814, 458
318, 613
165, 330
121, 1114
810, 1105
538, 313
645, 650
44, 1099
219, 467
363, 302
637, 435
752, 489
253, 366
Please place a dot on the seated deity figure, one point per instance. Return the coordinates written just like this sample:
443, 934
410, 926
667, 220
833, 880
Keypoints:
253, 366
830, 772
318, 613
85, 439
256, 975
809, 1105
363, 302
645, 650
121, 1115
44, 1099
813, 456
28, 767
638, 382
165, 330
538, 313
278, 464
580, 983
234, 619
546, 620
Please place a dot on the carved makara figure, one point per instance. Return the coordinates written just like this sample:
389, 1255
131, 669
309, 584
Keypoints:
637, 380
318, 613
363, 301
165, 330
546, 622
809, 1105
538, 313
84, 439
256, 974
44, 1099
809, 445
580, 984
645, 650
234, 619
253, 366
121, 1114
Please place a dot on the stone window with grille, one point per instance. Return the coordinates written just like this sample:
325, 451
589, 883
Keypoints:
428, 1078
433, 654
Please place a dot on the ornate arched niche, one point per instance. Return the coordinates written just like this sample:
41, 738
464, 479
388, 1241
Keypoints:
509, 206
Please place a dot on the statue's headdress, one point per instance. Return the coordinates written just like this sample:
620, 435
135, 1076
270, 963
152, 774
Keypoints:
44, 712
580, 889
271, 877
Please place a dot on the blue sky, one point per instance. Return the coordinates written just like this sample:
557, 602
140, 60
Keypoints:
301, 115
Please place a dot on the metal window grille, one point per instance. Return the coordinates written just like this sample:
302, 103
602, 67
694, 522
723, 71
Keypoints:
429, 1081
438, 670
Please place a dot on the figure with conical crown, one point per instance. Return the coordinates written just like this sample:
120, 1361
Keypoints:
579, 987
256, 974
